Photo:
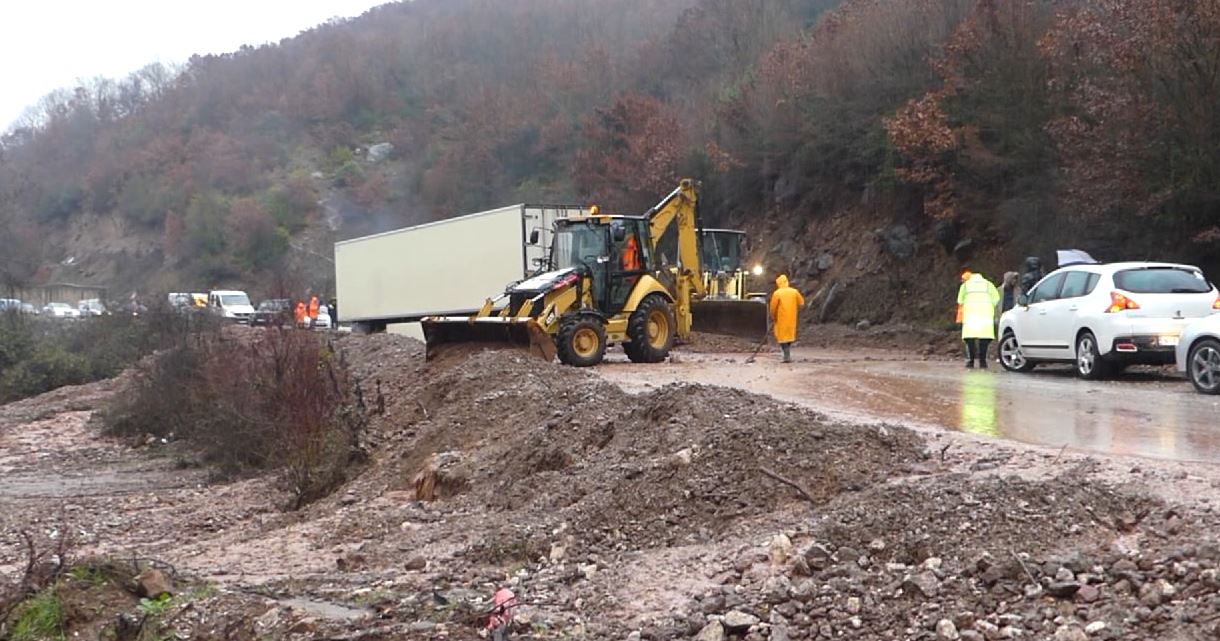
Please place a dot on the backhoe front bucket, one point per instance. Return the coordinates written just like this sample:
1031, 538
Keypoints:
486, 333
744, 318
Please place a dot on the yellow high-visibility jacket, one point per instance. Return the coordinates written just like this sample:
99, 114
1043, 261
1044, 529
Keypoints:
978, 299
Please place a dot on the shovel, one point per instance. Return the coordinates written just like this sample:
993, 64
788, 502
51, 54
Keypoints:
761, 344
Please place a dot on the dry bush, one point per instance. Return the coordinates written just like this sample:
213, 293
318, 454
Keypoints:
276, 400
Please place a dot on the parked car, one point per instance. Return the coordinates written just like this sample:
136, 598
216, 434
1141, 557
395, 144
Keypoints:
275, 312
231, 304
1103, 318
91, 307
323, 321
28, 308
9, 305
60, 310
1198, 354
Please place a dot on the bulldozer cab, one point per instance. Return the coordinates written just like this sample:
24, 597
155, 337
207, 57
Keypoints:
613, 251
723, 252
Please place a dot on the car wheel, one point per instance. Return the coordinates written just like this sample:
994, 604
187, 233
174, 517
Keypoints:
1012, 358
1089, 364
1203, 366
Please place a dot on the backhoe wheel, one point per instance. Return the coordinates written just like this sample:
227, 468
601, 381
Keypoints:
581, 342
652, 329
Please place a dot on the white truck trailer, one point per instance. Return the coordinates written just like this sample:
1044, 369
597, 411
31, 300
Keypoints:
446, 268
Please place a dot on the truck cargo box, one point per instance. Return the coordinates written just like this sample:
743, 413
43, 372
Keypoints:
444, 268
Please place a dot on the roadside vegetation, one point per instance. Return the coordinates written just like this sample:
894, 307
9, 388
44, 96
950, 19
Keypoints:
39, 355
278, 400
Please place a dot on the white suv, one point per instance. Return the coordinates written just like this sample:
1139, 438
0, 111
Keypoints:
1105, 317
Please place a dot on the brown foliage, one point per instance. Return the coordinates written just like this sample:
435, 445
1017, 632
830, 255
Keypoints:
632, 153
280, 400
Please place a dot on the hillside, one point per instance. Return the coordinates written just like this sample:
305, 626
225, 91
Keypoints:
871, 147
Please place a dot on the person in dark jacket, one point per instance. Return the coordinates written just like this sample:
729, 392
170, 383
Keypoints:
1008, 291
1032, 274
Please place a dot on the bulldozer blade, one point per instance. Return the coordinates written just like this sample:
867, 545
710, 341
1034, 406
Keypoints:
744, 318
441, 334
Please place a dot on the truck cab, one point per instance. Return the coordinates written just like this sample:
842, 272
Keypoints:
231, 304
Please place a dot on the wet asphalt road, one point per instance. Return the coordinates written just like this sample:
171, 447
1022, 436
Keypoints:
1142, 413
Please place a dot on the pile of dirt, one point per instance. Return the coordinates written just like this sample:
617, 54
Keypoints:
705, 343
909, 339
558, 445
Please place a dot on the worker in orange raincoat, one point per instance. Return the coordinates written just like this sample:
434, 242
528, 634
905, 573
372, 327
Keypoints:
785, 305
313, 311
300, 314
631, 255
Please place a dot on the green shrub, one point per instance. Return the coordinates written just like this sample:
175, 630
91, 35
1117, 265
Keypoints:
39, 618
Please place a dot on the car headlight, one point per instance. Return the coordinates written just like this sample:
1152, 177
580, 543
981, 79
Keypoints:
758, 270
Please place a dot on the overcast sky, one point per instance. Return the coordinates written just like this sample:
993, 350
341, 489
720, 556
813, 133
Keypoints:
48, 44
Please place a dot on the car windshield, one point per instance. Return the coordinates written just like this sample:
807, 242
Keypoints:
229, 300
1162, 280
578, 243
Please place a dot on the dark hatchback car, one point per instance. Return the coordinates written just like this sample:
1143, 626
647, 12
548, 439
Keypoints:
273, 312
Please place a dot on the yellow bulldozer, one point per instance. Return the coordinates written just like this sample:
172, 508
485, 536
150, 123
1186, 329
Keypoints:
636, 281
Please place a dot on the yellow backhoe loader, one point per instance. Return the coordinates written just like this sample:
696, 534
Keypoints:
725, 282
629, 280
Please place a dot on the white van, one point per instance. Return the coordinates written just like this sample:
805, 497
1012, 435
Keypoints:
231, 304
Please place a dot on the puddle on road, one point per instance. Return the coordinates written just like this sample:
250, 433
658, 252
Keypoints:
1139, 414
325, 609
105, 482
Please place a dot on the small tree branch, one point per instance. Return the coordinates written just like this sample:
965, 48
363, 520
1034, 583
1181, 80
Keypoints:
790, 483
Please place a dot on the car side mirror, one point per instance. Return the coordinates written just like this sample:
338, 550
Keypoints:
619, 234
534, 236
1023, 300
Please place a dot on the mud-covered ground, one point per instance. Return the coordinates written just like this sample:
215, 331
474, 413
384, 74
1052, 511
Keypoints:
632, 510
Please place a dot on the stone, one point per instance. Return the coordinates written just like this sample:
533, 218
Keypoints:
737, 621
1062, 589
946, 630
925, 583
634, 636
416, 563
348, 499
153, 584
1095, 627
970, 635
825, 261
1088, 593
1070, 633
780, 633
422, 626
800, 567
932, 563
713, 631
776, 589
863, 325
898, 241
817, 556
1065, 575
876, 545
779, 549
380, 151
854, 605
557, 554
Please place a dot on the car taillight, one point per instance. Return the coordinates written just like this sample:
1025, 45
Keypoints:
1119, 303
1216, 304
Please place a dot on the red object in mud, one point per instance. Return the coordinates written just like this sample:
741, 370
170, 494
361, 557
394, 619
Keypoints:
502, 614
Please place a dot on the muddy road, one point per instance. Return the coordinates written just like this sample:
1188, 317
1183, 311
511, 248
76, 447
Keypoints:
1142, 413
